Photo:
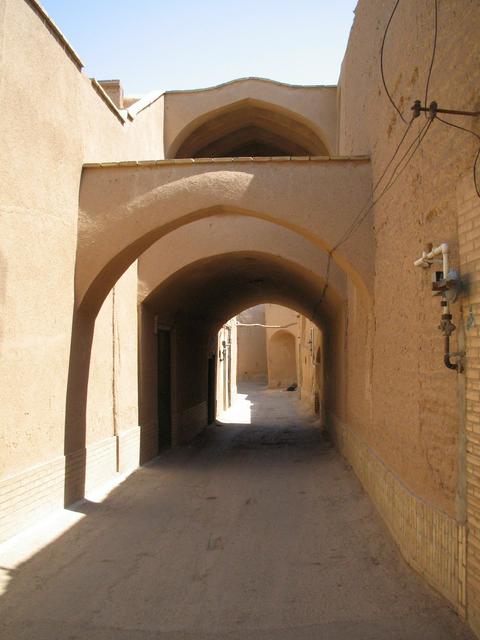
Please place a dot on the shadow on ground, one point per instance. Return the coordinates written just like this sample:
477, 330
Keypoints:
252, 532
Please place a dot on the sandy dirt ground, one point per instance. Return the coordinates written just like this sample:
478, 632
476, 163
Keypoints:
258, 530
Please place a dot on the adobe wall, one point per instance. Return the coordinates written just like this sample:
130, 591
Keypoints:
282, 345
404, 427
184, 110
398, 413
311, 368
468, 204
252, 346
47, 135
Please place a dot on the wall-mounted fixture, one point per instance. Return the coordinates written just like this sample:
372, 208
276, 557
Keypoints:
445, 283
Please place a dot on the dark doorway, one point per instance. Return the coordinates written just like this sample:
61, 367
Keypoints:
164, 389
211, 389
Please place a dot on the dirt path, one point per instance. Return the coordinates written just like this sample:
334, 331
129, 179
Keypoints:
254, 532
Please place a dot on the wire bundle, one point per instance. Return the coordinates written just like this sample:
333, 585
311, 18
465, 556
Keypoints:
407, 156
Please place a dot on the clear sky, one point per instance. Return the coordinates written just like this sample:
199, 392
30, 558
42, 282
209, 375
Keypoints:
187, 44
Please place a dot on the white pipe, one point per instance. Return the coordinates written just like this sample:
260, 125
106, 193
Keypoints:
427, 258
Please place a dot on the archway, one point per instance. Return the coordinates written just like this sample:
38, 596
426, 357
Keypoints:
125, 209
195, 302
249, 128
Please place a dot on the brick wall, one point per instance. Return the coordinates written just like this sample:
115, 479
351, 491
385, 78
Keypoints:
187, 424
431, 542
35, 493
469, 249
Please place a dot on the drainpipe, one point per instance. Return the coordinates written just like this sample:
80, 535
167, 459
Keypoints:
447, 327
447, 287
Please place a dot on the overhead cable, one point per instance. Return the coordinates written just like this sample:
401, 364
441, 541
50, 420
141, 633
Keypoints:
382, 72
434, 49
475, 163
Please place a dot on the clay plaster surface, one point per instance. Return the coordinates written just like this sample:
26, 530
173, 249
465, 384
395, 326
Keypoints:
417, 408
124, 209
186, 110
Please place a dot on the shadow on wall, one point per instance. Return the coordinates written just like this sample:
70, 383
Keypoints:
76, 407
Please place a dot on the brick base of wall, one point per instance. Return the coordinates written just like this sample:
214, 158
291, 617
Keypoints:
429, 540
36, 492
128, 443
189, 423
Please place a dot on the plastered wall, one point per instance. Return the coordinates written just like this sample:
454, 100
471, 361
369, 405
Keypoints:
404, 422
252, 346
420, 208
47, 135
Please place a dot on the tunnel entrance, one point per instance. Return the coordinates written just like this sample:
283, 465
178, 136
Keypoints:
273, 347
234, 315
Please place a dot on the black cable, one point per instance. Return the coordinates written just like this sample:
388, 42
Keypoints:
417, 141
375, 186
457, 126
381, 62
362, 213
415, 144
325, 286
434, 51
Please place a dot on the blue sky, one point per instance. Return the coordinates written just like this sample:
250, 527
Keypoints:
187, 44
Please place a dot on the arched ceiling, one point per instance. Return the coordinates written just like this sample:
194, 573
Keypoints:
229, 235
215, 289
248, 129
314, 106
125, 208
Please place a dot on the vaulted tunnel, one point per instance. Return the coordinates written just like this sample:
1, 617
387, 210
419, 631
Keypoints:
194, 302
137, 212
250, 128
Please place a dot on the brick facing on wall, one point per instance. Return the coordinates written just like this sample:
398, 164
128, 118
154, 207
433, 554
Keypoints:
39, 491
432, 542
469, 250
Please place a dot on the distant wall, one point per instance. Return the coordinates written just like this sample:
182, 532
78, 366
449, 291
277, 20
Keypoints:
252, 346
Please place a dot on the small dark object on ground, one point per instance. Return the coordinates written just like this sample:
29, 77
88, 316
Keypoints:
292, 387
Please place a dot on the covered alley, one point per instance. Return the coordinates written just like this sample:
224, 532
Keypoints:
160, 251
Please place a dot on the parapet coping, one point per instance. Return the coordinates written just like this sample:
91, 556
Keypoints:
152, 96
56, 33
144, 102
257, 79
121, 115
129, 114
177, 161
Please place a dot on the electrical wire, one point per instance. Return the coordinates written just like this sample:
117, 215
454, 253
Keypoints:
362, 214
415, 144
382, 72
375, 186
360, 217
475, 163
434, 50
